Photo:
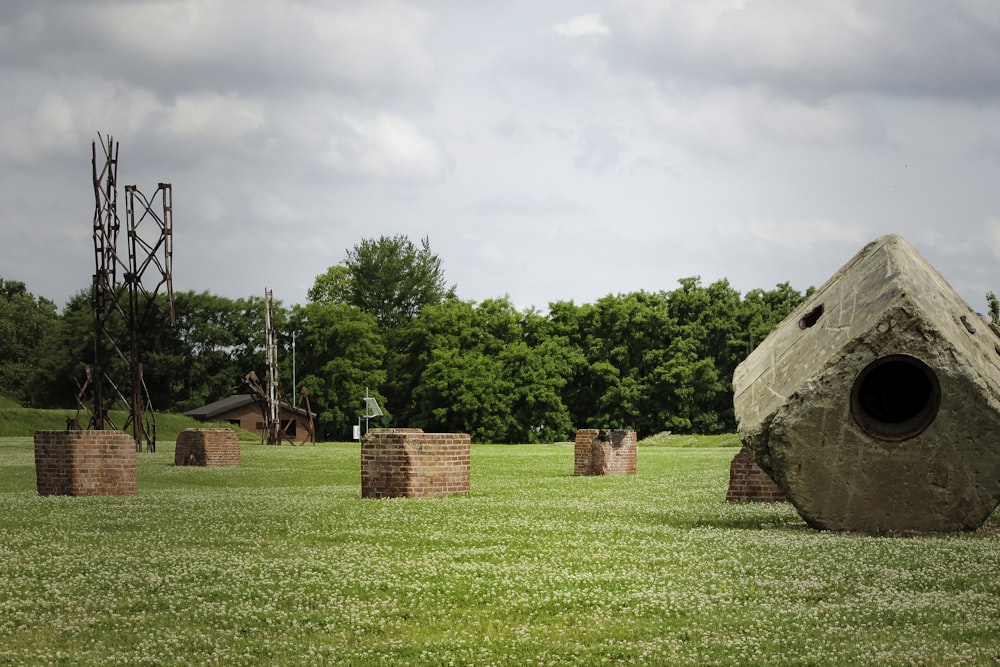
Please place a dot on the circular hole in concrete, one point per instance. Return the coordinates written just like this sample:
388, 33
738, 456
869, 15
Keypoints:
811, 317
895, 397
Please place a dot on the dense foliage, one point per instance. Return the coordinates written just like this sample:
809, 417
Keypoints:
24, 323
649, 361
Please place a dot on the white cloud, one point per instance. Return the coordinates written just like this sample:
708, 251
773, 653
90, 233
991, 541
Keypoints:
800, 235
582, 26
53, 122
818, 48
272, 209
211, 208
388, 146
654, 128
211, 114
991, 235
228, 44
733, 122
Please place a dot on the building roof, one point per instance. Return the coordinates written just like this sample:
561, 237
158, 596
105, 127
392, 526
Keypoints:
233, 402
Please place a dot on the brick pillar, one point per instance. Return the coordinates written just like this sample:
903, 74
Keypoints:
207, 447
85, 463
748, 482
604, 452
412, 464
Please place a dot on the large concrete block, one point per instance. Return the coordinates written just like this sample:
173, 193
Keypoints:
875, 405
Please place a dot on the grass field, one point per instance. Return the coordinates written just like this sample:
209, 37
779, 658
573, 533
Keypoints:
281, 561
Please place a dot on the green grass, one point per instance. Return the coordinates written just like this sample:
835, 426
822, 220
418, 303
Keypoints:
670, 440
280, 561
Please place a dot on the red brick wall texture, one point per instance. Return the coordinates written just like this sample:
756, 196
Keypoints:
748, 482
599, 451
408, 463
85, 463
207, 447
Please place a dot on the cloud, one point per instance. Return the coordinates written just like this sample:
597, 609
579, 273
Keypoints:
582, 26
758, 140
600, 148
213, 115
991, 235
530, 207
732, 122
385, 145
271, 208
801, 235
226, 45
818, 49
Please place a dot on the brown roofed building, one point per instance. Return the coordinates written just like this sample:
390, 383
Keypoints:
243, 411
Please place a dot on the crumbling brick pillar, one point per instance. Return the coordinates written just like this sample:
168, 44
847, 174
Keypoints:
85, 463
747, 481
207, 447
604, 452
409, 463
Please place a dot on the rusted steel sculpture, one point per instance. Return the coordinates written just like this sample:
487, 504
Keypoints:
274, 432
122, 303
310, 425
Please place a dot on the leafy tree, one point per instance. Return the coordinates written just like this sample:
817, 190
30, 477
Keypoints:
334, 286
64, 355
687, 387
465, 391
214, 342
25, 322
620, 341
471, 369
389, 277
340, 352
540, 369
994, 304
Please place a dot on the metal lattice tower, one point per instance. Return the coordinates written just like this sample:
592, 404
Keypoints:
122, 302
272, 422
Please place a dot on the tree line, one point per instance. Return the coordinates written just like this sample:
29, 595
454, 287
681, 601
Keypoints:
385, 320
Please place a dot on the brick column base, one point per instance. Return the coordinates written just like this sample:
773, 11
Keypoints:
85, 463
604, 452
207, 447
412, 464
747, 481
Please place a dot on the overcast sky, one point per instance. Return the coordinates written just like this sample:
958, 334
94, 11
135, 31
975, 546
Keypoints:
550, 150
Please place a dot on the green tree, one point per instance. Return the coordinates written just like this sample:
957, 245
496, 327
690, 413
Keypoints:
214, 342
687, 387
64, 355
471, 368
465, 391
334, 286
540, 368
339, 355
994, 304
25, 323
389, 277
620, 341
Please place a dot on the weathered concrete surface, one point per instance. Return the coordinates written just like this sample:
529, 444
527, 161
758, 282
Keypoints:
875, 405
